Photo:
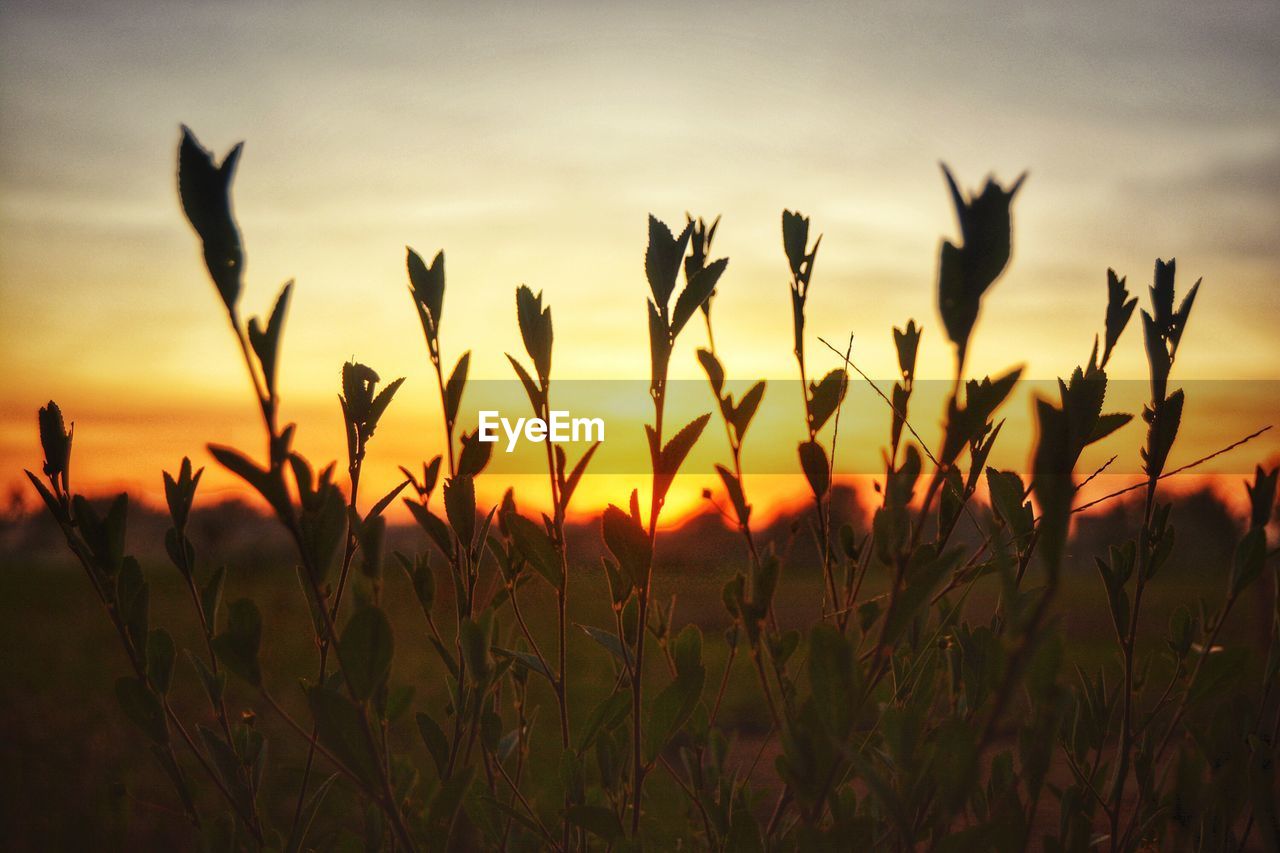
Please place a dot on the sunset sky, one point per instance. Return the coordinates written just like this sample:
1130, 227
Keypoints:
530, 143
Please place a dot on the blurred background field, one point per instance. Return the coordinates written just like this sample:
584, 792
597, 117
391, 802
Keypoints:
73, 774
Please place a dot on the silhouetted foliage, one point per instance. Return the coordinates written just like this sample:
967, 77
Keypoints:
898, 720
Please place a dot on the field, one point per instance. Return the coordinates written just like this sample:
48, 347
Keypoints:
75, 778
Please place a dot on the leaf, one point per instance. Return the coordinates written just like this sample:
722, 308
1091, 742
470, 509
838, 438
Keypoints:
265, 482
47, 496
474, 639
765, 582
426, 285
1119, 310
734, 489
55, 441
133, 603
143, 708
795, 240
686, 649
965, 272
266, 342
214, 685
746, 409
1162, 431
607, 715
662, 260
1249, 559
671, 709
380, 403
713, 368
535, 329
1051, 479
824, 397
597, 820
385, 501
698, 291
436, 529
205, 190
324, 527
607, 640
475, 454
1007, 499
813, 461
675, 451
446, 656
454, 387
629, 544
433, 737
365, 650
533, 542
527, 661
104, 535
1158, 359
1262, 495
160, 655
371, 536
180, 492
571, 484
237, 646
423, 580
310, 810
1108, 424
530, 387
460, 507
907, 343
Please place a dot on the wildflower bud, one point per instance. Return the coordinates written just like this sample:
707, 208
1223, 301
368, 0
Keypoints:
55, 439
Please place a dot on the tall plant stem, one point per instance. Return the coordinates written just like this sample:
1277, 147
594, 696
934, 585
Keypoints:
1127, 650
637, 680
330, 633
347, 556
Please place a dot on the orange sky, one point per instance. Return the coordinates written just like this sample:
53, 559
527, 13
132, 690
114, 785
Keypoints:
530, 146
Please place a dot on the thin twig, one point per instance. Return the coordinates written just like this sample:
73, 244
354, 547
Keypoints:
1203, 459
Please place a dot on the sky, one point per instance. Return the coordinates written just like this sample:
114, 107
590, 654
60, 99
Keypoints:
530, 142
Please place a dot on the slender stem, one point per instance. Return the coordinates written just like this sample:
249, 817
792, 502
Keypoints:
284, 715
524, 629
448, 422
1198, 462
692, 795
655, 507
533, 815
1128, 653
347, 557
724, 682
219, 707
140, 671
330, 633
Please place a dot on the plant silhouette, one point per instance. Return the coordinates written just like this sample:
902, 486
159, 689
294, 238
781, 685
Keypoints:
896, 720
